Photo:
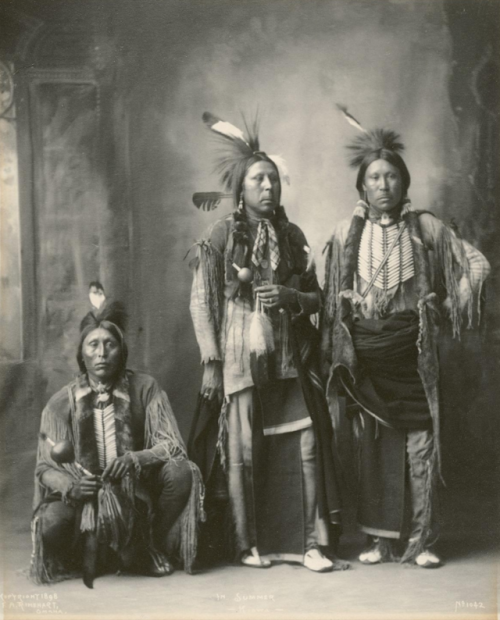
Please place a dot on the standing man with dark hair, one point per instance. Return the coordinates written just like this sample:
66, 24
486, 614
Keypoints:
254, 290
391, 274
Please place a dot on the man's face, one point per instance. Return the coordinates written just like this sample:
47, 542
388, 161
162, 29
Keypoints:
261, 189
383, 185
101, 354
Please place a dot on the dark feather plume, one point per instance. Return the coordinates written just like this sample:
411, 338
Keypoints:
208, 201
114, 313
371, 142
235, 145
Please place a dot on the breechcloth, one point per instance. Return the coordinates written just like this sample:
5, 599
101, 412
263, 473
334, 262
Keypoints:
389, 385
170, 485
273, 499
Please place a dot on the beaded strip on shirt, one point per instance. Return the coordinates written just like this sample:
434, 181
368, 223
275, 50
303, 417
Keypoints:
375, 241
104, 428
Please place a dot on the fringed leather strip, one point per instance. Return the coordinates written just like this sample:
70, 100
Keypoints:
333, 267
192, 515
222, 437
420, 256
211, 263
428, 367
416, 546
428, 364
111, 522
453, 269
182, 539
39, 569
44, 569
161, 433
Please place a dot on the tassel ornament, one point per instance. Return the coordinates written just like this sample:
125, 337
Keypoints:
261, 342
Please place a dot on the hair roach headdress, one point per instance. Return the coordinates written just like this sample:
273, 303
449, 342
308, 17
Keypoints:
371, 141
237, 148
374, 144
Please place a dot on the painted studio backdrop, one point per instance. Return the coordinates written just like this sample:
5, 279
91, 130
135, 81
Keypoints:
102, 147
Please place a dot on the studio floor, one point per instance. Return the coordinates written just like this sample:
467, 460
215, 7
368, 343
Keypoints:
466, 587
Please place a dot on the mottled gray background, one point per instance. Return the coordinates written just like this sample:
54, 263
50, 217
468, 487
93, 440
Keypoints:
109, 97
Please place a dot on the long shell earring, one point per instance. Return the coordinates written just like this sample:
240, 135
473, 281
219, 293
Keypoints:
241, 206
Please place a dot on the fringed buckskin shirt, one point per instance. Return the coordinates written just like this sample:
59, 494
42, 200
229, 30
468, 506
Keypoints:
401, 295
231, 345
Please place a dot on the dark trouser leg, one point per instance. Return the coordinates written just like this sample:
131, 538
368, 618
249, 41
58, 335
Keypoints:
173, 483
58, 524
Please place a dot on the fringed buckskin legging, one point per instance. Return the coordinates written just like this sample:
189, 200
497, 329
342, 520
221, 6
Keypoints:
240, 416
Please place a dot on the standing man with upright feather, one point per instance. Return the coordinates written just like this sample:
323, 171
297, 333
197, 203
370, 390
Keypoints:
391, 274
262, 432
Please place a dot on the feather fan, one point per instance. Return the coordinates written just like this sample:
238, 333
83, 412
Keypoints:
208, 201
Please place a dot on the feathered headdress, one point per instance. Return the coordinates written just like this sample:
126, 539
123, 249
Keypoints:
236, 147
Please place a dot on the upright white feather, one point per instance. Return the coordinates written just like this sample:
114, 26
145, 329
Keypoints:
229, 130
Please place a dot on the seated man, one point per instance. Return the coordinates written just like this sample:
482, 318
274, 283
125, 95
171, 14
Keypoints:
130, 495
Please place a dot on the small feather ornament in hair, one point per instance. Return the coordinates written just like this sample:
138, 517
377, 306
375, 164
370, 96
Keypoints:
102, 310
373, 141
96, 295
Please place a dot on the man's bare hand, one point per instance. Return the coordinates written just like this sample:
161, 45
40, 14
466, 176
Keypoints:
212, 384
85, 489
276, 295
118, 468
